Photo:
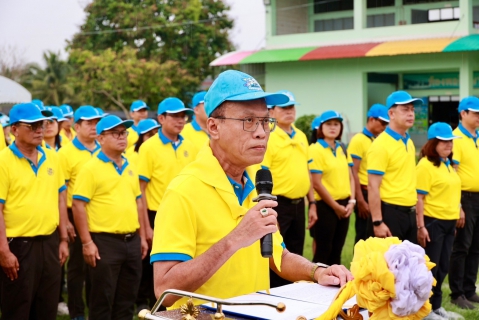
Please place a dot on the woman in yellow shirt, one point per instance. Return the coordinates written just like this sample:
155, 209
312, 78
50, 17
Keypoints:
438, 206
334, 189
146, 129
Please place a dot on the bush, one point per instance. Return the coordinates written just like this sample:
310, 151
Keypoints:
303, 123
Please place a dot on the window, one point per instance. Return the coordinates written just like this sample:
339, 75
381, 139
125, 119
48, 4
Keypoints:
333, 24
444, 14
475, 16
381, 20
423, 1
333, 5
379, 3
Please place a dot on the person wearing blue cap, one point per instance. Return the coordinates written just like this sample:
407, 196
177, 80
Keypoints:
3, 137
391, 167
438, 206
377, 120
334, 185
66, 131
108, 213
51, 134
465, 251
73, 157
287, 157
314, 129
6, 138
195, 131
146, 129
138, 111
33, 240
207, 222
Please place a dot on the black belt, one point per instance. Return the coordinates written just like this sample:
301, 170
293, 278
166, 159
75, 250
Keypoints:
469, 194
120, 236
35, 238
405, 209
292, 201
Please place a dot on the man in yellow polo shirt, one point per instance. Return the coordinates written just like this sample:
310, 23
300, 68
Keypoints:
207, 224
138, 112
162, 157
465, 251
107, 208
66, 131
73, 157
195, 130
287, 157
33, 236
391, 166
377, 120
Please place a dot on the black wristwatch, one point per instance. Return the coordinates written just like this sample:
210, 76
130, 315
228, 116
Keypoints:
312, 202
377, 223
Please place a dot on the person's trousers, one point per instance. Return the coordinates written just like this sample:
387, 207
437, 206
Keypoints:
361, 224
34, 294
76, 276
116, 277
291, 221
464, 262
329, 233
441, 233
401, 221
146, 293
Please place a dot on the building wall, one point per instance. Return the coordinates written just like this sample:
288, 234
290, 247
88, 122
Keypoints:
291, 16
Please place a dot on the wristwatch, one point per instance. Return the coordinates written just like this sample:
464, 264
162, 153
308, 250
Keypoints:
377, 223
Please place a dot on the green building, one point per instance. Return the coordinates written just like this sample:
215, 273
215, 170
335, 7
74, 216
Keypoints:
347, 55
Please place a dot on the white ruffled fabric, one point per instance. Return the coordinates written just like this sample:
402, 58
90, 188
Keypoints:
413, 280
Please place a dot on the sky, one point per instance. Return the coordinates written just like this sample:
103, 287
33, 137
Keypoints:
31, 27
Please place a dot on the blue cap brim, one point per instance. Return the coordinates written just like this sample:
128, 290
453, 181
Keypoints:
383, 119
149, 129
273, 99
414, 101
139, 108
448, 138
126, 123
288, 104
92, 117
180, 110
332, 118
33, 119
47, 113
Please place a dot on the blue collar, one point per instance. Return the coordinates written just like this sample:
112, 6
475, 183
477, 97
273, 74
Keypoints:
293, 133
242, 193
325, 145
135, 128
20, 155
165, 140
396, 136
195, 124
447, 162
368, 133
81, 147
105, 159
468, 134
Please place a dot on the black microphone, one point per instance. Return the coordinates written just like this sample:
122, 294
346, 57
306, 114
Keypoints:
264, 187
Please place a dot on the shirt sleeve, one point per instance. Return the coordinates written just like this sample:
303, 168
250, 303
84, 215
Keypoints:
316, 166
423, 178
356, 148
145, 163
457, 151
136, 187
60, 175
4, 180
350, 160
65, 165
84, 185
377, 159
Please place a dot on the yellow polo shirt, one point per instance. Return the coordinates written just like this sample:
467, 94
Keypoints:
287, 158
3, 144
30, 193
133, 157
200, 207
335, 168
465, 154
441, 187
160, 161
65, 139
358, 148
110, 193
193, 132
394, 157
73, 157
132, 137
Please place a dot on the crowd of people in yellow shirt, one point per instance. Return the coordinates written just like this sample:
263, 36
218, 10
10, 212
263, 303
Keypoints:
85, 186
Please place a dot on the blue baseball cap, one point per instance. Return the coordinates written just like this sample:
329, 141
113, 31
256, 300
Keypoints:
146, 125
110, 122
27, 112
402, 97
329, 115
87, 113
172, 105
43, 109
67, 111
198, 98
57, 114
292, 99
378, 111
441, 131
315, 123
138, 105
469, 103
38, 102
232, 85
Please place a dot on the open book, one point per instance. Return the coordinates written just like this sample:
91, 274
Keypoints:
305, 299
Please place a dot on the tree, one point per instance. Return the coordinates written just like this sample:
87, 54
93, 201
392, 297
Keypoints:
12, 64
50, 83
191, 32
303, 123
113, 80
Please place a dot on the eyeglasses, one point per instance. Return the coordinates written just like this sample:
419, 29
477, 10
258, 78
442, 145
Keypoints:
383, 123
250, 124
117, 134
33, 126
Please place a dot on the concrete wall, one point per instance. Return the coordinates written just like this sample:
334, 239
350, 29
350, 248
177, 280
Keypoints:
291, 16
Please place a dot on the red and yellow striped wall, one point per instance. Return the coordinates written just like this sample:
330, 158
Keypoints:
372, 49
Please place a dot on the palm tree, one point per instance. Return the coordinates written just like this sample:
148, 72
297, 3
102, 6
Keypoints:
50, 84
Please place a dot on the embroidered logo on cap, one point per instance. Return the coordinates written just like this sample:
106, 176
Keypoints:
252, 84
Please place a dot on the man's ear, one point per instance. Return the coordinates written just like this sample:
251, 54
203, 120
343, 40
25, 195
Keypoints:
212, 128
